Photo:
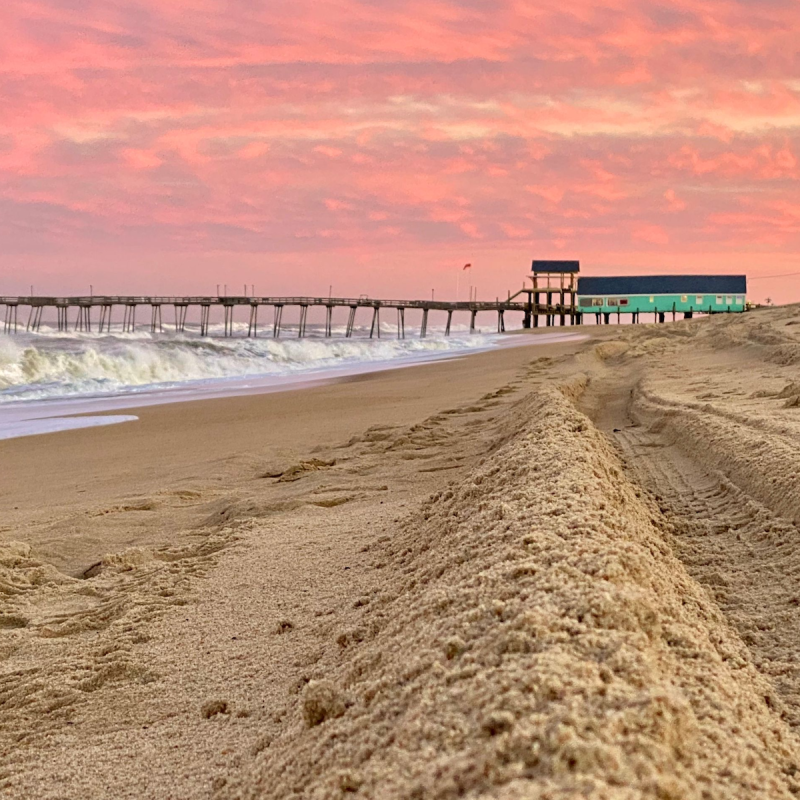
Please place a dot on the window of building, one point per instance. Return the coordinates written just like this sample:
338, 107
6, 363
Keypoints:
719, 299
728, 300
585, 301
612, 301
684, 298
699, 298
623, 301
740, 299
652, 299
597, 301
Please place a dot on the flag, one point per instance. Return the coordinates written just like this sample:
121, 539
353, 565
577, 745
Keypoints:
467, 266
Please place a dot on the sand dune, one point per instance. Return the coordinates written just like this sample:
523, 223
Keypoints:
580, 581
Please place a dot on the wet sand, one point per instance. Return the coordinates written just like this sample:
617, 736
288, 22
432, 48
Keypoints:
539, 574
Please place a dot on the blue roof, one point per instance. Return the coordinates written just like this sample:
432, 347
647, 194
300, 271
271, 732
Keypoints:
663, 284
555, 266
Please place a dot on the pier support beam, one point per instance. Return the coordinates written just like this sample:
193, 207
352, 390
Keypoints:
423, 331
376, 322
276, 327
105, 318
83, 322
351, 321
129, 318
228, 312
501, 321
401, 323
449, 320
252, 327
301, 331
180, 317
10, 319
35, 318
156, 323
328, 321
205, 313
472, 315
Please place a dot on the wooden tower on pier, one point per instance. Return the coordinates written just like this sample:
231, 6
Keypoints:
552, 281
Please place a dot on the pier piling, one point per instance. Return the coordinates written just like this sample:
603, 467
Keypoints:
180, 316
376, 322
129, 318
252, 326
156, 325
228, 320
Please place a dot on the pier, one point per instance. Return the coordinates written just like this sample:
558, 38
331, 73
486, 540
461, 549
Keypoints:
119, 313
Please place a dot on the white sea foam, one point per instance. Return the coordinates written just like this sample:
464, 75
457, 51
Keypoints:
58, 365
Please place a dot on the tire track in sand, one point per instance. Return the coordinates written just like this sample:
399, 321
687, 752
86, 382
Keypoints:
745, 553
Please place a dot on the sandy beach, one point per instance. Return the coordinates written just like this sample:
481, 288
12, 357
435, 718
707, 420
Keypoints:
563, 570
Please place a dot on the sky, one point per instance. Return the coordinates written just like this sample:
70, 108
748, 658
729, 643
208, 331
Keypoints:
376, 147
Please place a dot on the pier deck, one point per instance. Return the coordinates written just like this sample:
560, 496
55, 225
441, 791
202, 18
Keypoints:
96, 312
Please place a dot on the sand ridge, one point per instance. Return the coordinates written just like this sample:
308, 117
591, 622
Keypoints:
538, 639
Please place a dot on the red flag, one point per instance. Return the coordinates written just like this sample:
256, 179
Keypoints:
467, 266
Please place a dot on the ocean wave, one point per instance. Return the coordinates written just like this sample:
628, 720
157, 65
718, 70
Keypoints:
50, 365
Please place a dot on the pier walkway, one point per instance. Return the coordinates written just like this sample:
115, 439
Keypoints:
98, 312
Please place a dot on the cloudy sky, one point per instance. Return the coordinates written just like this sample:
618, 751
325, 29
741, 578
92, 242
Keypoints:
377, 146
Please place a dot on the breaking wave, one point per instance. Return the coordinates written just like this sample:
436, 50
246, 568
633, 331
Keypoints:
52, 365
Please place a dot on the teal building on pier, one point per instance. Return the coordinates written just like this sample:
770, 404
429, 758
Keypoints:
661, 295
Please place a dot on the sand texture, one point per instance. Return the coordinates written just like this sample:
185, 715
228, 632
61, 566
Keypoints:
573, 573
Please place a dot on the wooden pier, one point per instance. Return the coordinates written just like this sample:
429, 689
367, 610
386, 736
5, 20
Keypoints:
106, 313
